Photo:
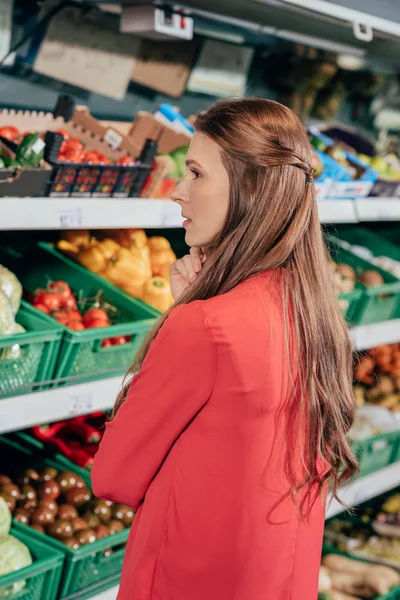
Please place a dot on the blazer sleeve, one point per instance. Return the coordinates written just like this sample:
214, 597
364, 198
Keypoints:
173, 385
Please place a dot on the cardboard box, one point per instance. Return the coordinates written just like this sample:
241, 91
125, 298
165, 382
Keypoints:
165, 66
146, 126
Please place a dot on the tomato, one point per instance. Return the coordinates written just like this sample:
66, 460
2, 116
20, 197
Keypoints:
74, 144
10, 133
103, 160
94, 314
61, 316
68, 302
75, 325
92, 157
64, 133
50, 301
106, 343
94, 323
118, 341
42, 308
74, 156
61, 288
74, 315
126, 161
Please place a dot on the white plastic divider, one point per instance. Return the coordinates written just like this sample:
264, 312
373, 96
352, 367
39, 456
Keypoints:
337, 211
378, 209
366, 488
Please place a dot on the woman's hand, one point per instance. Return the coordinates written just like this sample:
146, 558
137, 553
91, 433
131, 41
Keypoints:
184, 271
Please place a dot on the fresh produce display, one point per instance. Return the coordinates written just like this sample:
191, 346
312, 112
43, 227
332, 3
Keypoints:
60, 504
377, 375
128, 259
14, 555
29, 151
343, 578
74, 311
10, 298
77, 439
73, 151
384, 262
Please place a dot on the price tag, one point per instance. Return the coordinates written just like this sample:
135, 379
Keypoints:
113, 138
80, 404
70, 218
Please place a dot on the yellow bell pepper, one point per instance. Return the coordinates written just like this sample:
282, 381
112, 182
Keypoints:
157, 243
67, 248
131, 238
127, 272
157, 293
161, 261
93, 258
79, 238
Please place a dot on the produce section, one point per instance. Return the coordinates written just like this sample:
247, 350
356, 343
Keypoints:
87, 238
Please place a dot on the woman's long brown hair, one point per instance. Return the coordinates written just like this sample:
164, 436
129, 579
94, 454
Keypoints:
273, 223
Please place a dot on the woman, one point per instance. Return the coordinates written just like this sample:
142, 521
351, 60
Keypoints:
227, 438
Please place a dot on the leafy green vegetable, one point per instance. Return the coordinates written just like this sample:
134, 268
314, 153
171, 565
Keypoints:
30, 152
5, 518
12, 288
14, 555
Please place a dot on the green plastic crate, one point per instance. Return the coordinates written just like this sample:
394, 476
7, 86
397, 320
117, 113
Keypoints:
39, 348
378, 452
42, 577
81, 356
352, 299
378, 303
394, 594
84, 567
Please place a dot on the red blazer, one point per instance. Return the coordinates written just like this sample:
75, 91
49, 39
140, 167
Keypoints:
198, 449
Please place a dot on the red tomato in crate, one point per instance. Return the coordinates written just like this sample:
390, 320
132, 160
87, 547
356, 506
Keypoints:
94, 314
61, 288
64, 133
69, 303
104, 160
74, 144
49, 300
74, 156
75, 325
118, 341
94, 323
74, 315
92, 157
61, 316
126, 161
42, 308
106, 343
10, 133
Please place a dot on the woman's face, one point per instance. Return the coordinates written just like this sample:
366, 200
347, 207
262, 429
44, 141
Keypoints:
203, 193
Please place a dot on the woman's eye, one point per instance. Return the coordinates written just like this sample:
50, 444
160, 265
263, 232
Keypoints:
195, 173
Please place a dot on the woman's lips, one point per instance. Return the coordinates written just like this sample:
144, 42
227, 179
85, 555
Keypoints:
186, 222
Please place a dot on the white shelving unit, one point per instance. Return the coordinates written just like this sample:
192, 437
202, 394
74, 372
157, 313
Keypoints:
369, 336
366, 488
110, 594
109, 213
87, 213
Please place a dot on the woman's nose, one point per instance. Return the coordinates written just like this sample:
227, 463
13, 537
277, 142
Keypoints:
179, 194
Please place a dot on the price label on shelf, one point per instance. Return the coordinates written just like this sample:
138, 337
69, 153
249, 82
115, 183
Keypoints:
70, 218
80, 404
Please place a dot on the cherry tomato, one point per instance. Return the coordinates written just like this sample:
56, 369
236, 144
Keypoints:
74, 144
106, 343
61, 288
9, 133
74, 156
126, 161
74, 315
75, 325
61, 316
92, 157
94, 323
64, 133
118, 341
50, 301
103, 160
42, 308
69, 302
94, 314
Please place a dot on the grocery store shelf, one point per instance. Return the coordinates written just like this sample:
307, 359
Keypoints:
378, 209
369, 336
18, 412
109, 213
91, 213
366, 488
337, 211
110, 594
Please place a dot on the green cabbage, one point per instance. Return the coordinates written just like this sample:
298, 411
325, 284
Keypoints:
5, 518
14, 555
11, 287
